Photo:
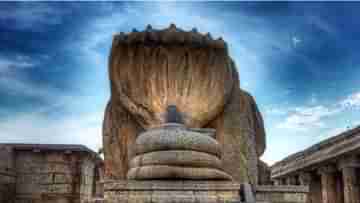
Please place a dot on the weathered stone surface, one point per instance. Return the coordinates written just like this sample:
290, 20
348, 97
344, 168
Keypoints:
119, 135
281, 194
45, 173
328, 184
195, 76
162, 140
175, 138
351, 185
63, 178
175, 172
264, 173
177, 158
236, 131
172, 191
330, 168
7, 174
341, 145
199, 78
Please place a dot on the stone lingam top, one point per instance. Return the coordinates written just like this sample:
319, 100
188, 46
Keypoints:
153, 72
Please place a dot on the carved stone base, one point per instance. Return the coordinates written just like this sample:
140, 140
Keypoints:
173, 192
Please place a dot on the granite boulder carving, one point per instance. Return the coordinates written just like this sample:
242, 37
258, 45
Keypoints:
152, 72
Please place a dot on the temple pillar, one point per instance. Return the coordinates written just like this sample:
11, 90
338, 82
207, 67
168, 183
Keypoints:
339, 187
287, 181
350, 180
277, 182
292, 180
328, 184
315, 195
305, 178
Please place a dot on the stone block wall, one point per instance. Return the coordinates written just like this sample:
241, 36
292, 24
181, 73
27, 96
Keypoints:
281, 194
47, 176
7, 174
264, 173
88, 183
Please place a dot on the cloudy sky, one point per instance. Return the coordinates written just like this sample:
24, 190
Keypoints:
301, 62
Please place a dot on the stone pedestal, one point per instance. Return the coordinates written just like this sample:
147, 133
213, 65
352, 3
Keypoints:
176, 192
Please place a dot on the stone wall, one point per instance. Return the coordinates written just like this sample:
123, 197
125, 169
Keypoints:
88, 184
47, 174
264, 173
281, 194
7, 175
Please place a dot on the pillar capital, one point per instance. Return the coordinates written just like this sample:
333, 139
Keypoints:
305, 178
326, 169
348, 162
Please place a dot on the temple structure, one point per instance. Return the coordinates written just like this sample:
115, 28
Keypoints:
330, 168
48, 173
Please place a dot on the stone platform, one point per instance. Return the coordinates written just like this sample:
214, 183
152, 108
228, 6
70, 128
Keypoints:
176, 192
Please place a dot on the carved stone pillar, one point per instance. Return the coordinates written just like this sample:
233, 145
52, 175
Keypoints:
305, 178
315, 192
328, 184
277, 182
292, 180
351, 185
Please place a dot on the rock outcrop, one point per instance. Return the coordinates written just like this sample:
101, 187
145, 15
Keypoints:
154, 69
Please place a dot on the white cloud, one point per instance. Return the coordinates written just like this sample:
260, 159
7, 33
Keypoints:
351, 102
306, 118
15, 62
34, 125
332, 132
37, 128
276, 111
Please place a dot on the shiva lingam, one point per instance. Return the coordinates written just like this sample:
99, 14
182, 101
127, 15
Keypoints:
173, 151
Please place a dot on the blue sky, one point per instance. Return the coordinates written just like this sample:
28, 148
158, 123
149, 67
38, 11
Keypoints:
300, 61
